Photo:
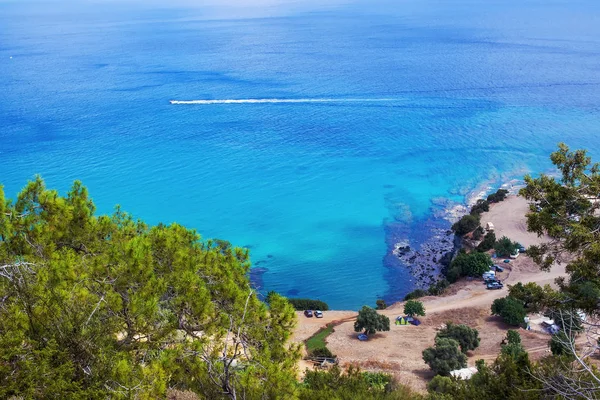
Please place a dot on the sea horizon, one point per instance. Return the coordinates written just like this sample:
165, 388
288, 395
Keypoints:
316, 135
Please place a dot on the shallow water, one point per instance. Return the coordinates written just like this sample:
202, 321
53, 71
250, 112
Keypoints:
391, 110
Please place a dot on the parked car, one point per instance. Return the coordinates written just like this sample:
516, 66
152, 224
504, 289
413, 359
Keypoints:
498, 268
308, 313
318, 314
494, 285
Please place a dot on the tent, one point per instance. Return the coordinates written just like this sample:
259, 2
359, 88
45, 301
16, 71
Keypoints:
415, 322
401, 321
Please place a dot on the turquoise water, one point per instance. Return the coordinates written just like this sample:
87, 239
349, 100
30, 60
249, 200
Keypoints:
456, 94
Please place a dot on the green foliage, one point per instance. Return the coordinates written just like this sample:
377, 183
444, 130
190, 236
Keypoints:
308, 304
352, 384
438, 288
317, 340
466, 224
444, 357
510, 309
321, 352
533, 296
562, 344
478, 233
480, 206
504, 247
415, 294
568, 320
371, 322
488, 242
567, 210
108, 307
511, 346
414, 307
497, 197
381, 305
467, 337
468, 264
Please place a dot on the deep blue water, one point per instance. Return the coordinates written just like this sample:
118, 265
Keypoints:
470, 92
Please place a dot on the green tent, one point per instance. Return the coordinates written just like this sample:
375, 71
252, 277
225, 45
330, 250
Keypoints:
401, 321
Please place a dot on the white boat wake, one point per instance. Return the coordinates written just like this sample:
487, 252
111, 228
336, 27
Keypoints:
259, 101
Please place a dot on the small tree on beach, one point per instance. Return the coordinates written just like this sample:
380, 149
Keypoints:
504, 247
371, 322
510, 309
444, 357
381, 305
414, 307
467, 337
466, 224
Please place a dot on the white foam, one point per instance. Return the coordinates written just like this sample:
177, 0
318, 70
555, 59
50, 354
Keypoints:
259, 101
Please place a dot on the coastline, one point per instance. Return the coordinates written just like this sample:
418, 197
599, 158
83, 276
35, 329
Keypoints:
398, 351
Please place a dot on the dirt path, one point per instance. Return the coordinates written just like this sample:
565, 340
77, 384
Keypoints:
399, 350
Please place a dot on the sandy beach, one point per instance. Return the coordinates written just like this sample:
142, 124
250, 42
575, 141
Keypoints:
468, 302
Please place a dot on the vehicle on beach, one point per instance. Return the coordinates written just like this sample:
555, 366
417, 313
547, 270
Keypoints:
494, 285
308, 313
498, 268
319, 314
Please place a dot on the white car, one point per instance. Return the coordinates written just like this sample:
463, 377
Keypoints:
318, 314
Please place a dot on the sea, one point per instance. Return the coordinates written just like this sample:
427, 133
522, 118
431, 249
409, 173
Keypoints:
317, 134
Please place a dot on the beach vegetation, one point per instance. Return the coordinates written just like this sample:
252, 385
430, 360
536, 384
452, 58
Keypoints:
488, 242
308, 304
438, 288
480, 206
445, 356
473, 264
317, 341
512, 346
415, 294
414, 307
468, 223
370, 321
381, 304
504, 247
497, 197
467, 337
533, 296
510, 310
561, 344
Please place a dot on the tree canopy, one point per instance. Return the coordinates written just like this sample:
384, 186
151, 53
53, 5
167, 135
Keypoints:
108, 307
370, 321
504, 247
414, 307
445, 356
468, 264
567, 209
467, 337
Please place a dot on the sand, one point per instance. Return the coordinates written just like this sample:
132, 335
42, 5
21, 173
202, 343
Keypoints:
399, 351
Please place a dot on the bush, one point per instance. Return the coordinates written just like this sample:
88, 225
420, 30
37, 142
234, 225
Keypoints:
561, 344
466, 224
444, 357
505, 247
510, 309
480, 206
531, 295
415, 294
414, 307
321, 352
308, 304
467, 337
478, 233
438, 288
381, 305
511, 345
468, 264
497, 197
489, 240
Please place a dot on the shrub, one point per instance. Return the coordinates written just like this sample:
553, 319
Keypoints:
561, 344
511, 345
438, 288
321, 352
468, 264
381, 305
467, 337
415, 294
505, 247
480, 206
478, 233
510, 309
466, 224
308, 304
497, 197
489, 240
444, 357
